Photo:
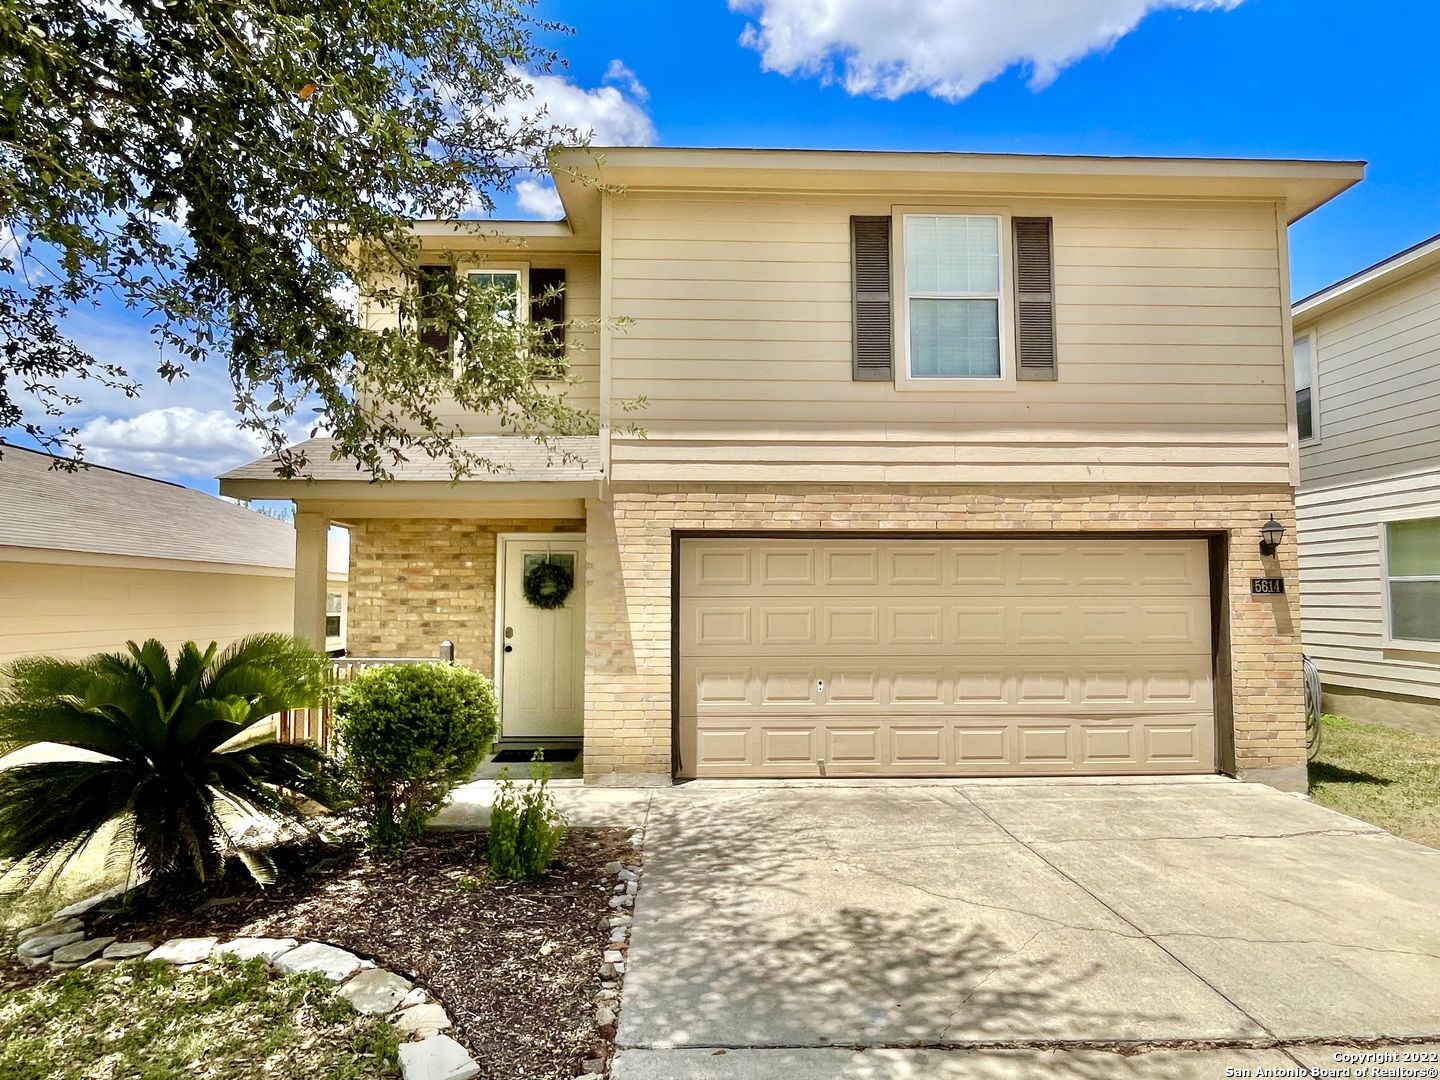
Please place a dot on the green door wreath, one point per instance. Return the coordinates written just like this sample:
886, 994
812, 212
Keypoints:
547, 584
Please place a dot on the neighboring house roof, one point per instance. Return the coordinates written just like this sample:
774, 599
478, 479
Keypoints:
107, 511
1386, 272
516, 460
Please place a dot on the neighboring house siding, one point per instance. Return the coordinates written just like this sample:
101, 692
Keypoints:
74, 611
1376, 459
1377, 385
1170, 339
1342, 537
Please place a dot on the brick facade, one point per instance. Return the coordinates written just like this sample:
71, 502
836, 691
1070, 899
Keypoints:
627, 679
416, 583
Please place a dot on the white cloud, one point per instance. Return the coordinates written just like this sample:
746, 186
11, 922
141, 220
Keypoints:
170, 443
607, 115
539, 200
946, 48
618, 72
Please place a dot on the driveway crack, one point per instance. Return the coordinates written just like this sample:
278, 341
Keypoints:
1290, 941
1211, 836
1121, 916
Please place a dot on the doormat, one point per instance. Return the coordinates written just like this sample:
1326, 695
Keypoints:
552, 754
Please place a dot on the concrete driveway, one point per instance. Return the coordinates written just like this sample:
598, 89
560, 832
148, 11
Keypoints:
1001, 929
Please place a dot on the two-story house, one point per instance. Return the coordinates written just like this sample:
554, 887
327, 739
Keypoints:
952, 465
1367, 360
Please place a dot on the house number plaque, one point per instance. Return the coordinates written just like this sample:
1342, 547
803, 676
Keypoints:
1261, 586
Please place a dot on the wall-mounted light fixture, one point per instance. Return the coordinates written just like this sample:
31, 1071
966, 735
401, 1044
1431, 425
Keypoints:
1271, 533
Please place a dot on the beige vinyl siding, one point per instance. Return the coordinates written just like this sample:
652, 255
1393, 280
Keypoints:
1171, 349
1342, 585
582, 344
1378, 377
68, 610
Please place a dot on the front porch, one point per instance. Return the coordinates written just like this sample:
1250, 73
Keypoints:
437, 570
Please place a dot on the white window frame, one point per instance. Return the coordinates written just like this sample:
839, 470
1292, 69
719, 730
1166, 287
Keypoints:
1390, 640
1313, 337
1005, 382
521, 272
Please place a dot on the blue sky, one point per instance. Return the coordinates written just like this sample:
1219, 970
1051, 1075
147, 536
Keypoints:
1244, 78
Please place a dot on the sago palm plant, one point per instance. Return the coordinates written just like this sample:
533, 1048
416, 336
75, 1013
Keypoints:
166, 771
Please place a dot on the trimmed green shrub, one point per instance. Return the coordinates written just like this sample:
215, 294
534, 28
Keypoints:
408, 734
525, 827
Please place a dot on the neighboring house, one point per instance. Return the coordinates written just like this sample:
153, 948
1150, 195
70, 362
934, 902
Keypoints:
952, 465
94, 558
1367, 360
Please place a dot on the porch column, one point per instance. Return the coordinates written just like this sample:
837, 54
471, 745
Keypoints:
311, 532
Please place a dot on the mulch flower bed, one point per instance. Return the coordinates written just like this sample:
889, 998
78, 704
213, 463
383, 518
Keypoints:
516, 965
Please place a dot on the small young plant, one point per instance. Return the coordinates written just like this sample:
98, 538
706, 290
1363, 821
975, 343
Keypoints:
525, 827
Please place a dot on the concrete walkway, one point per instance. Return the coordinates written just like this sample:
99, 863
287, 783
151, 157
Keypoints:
1015, 929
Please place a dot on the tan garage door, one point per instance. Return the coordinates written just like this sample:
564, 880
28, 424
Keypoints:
950, 657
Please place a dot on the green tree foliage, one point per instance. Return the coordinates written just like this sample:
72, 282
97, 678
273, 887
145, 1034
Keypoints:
166, 771
240, 170
525, 827
408, 733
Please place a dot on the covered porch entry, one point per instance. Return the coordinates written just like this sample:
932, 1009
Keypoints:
439, 569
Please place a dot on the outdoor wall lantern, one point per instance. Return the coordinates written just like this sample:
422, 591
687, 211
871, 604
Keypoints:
1271, 533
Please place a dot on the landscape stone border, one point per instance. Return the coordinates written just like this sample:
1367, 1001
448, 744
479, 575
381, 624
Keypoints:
428, 1053
617, 948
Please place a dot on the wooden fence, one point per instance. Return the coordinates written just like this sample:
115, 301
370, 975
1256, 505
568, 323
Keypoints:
317, 725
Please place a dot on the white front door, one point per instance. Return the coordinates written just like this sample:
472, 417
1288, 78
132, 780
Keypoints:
542, 650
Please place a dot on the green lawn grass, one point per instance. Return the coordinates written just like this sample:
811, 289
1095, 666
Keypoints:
151, 1022
1382, 775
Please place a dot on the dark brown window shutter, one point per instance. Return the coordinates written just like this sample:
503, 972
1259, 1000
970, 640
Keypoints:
873, 359
547, 310
434, 281
1035, 298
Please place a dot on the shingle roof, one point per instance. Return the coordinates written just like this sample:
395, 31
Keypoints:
118, 513
519, 460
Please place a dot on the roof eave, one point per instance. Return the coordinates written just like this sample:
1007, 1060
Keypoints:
1301, 185
475, 489
1372, 279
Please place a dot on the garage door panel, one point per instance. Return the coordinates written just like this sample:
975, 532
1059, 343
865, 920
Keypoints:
946, 657
984, 746
787, 627
918, 744
841, 686
723, 567
909, 746
854, 745
1109, 744
832, 626
1020, 568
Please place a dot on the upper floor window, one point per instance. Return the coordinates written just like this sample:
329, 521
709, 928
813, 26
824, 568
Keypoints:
505, 283
952, 293
1412, 558
1304, 351
969, 303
